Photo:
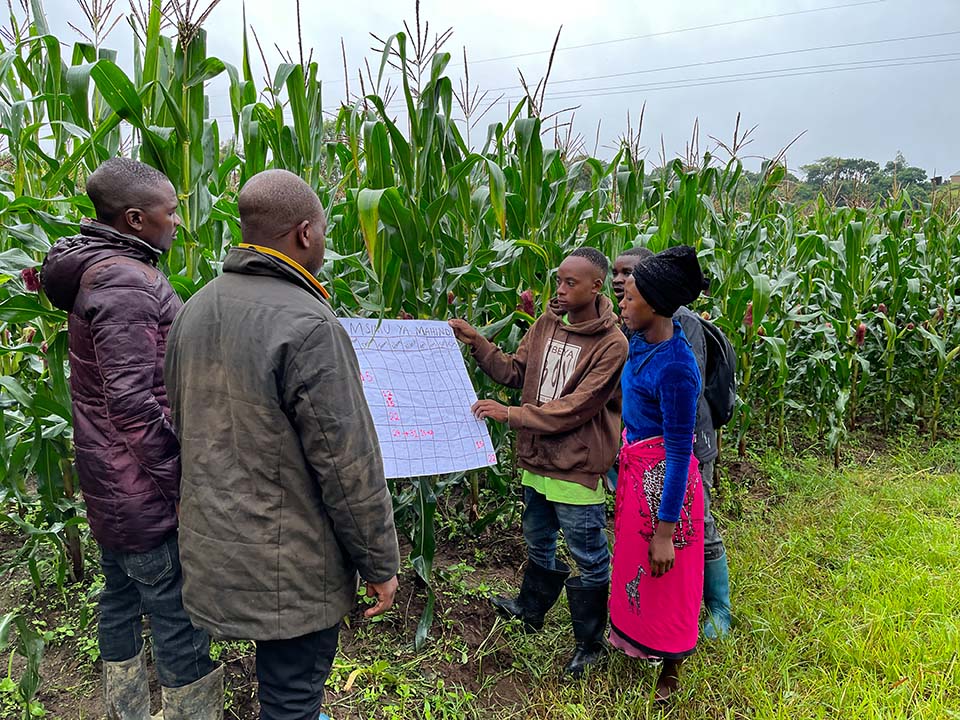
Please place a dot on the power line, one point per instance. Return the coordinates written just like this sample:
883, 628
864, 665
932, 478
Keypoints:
579, 91
678, 83
884, 63
744, 58
692, 29
677, 31
683, 85
722, 61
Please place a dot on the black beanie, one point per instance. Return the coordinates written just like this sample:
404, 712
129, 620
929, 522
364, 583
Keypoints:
670, 279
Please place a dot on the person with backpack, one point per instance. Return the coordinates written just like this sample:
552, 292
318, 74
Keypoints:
716, 361
657, 576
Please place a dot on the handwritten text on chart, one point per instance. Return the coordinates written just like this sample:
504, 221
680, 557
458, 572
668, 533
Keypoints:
419, 394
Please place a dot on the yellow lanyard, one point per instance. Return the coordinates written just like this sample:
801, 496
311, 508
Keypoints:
291, 262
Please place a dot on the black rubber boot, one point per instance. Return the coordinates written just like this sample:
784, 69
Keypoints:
588, 612
539, 592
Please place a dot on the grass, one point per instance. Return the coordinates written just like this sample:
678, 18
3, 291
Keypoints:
846, 593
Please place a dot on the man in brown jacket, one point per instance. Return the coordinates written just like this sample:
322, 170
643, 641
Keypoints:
283, 497
568, 430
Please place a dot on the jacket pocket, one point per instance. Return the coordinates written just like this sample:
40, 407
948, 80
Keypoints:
151, 567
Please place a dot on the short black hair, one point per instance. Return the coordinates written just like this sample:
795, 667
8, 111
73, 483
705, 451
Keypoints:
639, 251
120, 184
275, 201
594, 257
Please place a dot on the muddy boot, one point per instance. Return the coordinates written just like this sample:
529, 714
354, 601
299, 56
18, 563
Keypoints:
125, 689
716, 596
588, 612
539, 592
200, 700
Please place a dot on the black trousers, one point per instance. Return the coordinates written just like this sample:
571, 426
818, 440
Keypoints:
291, 674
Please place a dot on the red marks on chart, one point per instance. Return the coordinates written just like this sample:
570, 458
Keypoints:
393, 416
413, 434
491, 456
388, 398
366, 376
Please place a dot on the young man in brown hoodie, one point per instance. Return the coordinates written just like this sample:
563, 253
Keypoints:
568, 433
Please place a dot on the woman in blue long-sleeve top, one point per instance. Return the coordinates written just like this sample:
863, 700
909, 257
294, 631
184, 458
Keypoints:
657, 578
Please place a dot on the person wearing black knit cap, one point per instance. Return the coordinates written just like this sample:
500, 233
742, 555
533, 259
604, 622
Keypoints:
657, 577
716, 574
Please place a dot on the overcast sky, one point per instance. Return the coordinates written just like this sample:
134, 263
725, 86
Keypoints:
846, 107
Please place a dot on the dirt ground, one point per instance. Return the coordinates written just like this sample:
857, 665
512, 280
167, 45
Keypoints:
467, 648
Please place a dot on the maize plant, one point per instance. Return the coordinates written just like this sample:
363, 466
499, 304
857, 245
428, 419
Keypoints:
840, 316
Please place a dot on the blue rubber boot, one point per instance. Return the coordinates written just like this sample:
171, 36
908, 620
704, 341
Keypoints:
716, 597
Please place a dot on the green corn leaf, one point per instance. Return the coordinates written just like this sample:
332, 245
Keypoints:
14, 260
118, 91
208, 69
498, 195
6, 623
17, 391
173, 108
39, 17
368, 208
23, 309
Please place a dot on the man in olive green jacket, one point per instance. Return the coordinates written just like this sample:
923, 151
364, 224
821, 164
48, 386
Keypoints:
283, 497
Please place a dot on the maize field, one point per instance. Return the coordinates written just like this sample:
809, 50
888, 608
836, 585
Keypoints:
840, 316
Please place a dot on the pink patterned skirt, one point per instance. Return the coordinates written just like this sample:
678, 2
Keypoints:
654, 617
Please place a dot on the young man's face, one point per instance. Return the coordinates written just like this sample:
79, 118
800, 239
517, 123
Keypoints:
157, 222
622, 269
635, 311
578, 284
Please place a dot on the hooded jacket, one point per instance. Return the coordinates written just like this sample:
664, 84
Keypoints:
568, 423
120, 310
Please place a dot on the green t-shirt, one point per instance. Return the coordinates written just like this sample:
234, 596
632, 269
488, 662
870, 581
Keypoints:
564, 491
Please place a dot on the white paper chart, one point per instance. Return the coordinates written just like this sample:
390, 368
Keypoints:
420, 397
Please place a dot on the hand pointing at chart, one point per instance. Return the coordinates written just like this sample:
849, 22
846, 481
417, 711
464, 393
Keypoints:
482, 409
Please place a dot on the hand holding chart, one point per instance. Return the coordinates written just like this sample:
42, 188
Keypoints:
420, 395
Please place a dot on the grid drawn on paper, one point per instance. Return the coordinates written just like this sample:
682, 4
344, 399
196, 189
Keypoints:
419, 394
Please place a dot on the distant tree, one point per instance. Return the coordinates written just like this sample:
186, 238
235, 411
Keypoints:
858, 182
842, 180
898, 175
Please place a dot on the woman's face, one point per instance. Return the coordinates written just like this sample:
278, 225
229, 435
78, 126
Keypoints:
635, 311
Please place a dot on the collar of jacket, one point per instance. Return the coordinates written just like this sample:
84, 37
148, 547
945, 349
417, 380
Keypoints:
259, 260
95, 230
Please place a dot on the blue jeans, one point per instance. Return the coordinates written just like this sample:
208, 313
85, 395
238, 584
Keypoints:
712, 542
584, 530
149, 583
